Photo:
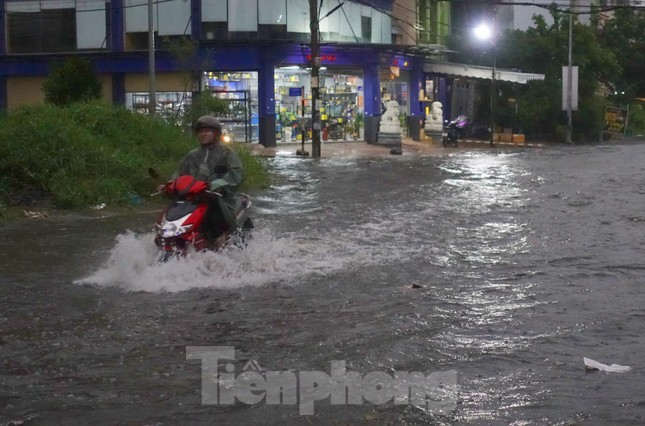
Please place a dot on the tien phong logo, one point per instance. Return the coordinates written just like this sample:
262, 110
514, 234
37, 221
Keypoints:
435, 392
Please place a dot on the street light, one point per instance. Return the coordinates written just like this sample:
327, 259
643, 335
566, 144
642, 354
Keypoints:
485, 32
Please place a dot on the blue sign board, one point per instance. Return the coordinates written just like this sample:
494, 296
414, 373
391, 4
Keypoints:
295, 91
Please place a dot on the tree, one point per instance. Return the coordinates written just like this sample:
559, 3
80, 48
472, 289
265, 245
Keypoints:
624, 33
544, 49
185, 53
72, 81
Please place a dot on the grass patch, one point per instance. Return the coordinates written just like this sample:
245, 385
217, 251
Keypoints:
93, 153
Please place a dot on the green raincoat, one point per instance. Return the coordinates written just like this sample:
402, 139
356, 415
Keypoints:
221, 167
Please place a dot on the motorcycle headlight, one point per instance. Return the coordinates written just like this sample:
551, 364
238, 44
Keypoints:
168, 230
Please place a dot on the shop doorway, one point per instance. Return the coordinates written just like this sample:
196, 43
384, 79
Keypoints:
342, 107
341, 111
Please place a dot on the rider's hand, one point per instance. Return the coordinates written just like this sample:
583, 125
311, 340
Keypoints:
161, 187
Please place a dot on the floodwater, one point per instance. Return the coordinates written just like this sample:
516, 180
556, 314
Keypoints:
501, 269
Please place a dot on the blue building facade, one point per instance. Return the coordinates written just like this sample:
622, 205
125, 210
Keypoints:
253, 53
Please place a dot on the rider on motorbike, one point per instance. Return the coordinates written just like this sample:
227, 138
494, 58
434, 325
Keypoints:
219, 166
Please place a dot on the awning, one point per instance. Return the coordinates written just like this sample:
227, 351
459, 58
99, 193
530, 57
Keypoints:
473, 71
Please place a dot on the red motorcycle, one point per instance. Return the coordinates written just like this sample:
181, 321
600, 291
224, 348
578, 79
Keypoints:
199, 219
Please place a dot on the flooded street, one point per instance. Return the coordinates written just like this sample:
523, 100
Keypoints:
502, 267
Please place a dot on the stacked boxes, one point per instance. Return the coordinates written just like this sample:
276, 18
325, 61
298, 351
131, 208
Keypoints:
509, 137
505, 137
518, 138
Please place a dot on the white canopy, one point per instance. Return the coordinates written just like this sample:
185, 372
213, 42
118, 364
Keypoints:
473, 71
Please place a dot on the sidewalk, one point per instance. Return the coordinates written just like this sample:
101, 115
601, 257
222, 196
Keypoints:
330, 149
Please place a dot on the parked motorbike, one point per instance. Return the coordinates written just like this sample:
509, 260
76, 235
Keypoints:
452, 131
198, 219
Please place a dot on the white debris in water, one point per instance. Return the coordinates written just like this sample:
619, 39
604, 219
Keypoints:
590, 364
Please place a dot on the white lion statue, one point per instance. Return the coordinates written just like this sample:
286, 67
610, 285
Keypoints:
434, 120
390, 118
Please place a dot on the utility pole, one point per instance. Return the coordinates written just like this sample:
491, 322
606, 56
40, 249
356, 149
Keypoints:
151, 61
492, 99
315, 83
569, 82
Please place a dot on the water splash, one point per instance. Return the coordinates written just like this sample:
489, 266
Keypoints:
132, 262
132, 265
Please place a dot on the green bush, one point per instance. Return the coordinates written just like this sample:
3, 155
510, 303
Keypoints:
636, 120
93, 153
255, 171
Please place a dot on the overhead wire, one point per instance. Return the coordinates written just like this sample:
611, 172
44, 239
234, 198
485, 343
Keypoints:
349, 23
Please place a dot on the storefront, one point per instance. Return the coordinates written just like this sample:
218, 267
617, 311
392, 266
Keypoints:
341, 103
272, 100
267, 87
341, 109
247, 49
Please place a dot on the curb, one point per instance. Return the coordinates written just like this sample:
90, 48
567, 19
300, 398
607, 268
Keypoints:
360, 148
